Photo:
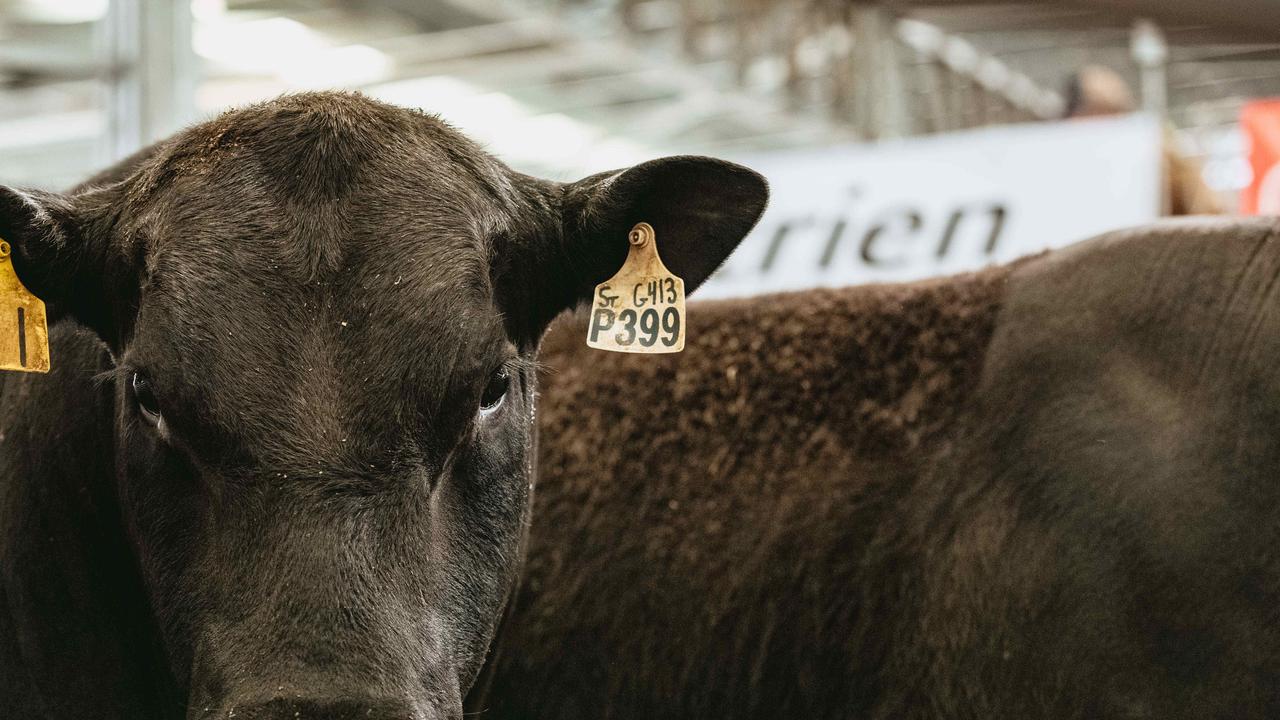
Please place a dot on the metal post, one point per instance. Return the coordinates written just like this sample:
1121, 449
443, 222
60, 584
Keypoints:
1151, 53
152, 72
866, 91
881, 99
894, 118
121, 80
170, 69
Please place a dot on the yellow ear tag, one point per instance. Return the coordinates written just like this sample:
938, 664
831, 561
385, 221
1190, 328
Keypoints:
641, 308
24, 336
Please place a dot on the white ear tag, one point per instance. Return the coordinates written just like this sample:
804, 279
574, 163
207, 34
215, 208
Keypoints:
641, 308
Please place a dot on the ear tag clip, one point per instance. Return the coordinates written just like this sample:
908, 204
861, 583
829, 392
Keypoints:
24, 335
641, 308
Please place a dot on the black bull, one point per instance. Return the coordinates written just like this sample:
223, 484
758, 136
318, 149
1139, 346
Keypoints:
281, 468
1050, 490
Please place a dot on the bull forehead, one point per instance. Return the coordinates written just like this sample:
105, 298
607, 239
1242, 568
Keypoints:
307, 365
317, 279
313, 174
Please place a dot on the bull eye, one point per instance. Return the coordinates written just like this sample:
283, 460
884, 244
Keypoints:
495, 391
145, 397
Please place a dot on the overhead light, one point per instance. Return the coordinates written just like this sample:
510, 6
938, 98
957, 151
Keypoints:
256, 47
51, 129
208, 10
60, 12
345, 66
515, 132
287, 49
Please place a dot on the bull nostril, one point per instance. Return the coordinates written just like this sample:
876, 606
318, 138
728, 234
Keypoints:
323, 709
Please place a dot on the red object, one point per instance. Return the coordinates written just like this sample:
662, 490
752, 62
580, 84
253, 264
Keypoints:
1261, 124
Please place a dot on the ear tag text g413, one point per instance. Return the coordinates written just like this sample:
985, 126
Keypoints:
641, 308
24, 334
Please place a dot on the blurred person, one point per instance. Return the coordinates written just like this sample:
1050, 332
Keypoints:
1099, 91
1095, 90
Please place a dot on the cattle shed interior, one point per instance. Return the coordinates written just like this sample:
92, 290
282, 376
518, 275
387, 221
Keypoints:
321, 410
562, 86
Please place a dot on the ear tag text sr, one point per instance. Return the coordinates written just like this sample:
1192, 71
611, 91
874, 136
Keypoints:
641, 308
24, 334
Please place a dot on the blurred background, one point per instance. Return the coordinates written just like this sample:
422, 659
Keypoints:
902, 139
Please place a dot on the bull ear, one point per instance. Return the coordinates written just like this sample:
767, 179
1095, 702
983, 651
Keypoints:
700, 209
61, 253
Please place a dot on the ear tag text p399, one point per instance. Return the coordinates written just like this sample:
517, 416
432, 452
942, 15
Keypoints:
641, 308
24, 334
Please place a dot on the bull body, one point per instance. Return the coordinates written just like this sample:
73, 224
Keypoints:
1043, 490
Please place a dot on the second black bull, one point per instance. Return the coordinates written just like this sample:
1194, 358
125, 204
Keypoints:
1045, 490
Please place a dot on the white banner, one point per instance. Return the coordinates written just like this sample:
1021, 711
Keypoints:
942, 204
